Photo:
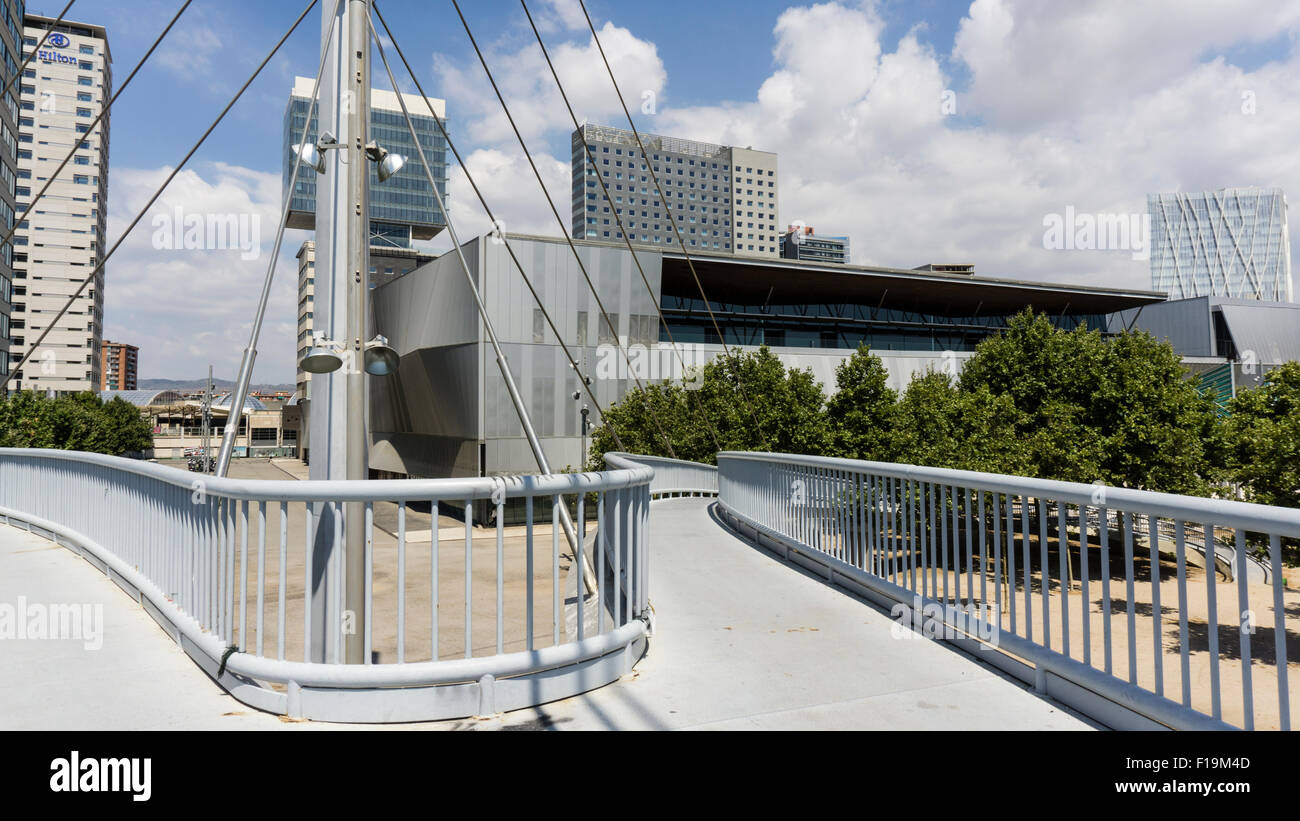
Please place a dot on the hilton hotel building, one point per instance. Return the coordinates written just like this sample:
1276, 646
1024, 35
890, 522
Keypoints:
59, 244
724, 199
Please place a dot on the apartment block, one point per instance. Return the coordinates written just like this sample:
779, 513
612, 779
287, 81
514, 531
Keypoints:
722, 199
120, 366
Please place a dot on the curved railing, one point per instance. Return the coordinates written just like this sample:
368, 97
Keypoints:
1055, 576
673, 477
248, 577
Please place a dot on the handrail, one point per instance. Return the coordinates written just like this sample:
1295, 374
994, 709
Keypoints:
1281, 520
1050, 574
673, 477
213, 560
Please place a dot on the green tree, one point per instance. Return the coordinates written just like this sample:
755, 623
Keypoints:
940, 425
861, 413
748, 401
1122, 411
79, 422
1262, 435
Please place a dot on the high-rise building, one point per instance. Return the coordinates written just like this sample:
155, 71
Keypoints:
59, 244
723, 199
803, 243
10, 50
1228, 243
120, 366
403, 207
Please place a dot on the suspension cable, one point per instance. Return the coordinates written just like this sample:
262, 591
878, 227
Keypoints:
100, 266
89, 131
240, 391
604, 187
582, 379
740, 382
48, 31
613, 327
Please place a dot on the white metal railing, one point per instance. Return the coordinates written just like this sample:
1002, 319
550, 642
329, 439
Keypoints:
248, 577
672, 477
1127, 629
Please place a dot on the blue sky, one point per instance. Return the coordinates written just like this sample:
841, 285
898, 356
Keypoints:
1088, 105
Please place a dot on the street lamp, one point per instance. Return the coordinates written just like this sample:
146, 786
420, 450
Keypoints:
380, 359
323, 356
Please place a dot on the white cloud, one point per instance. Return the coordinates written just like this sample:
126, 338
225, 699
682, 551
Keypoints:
187, 307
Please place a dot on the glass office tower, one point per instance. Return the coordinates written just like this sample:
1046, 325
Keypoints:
403, 208
1228, 243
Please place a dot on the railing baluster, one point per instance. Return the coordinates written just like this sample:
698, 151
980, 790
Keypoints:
367, 644
401, 581
434, 555
1085, 601
528, 570
1157, 634
469, 571
556, 501
1129, 523
261, 570
1184, 658
1063, 547
1245, 629
501, 590
284, 573
1212, 607
1279, 632
1103, 531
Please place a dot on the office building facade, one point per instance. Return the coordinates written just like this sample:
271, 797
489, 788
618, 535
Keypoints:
120, 366
1231, 243
803, 243
58, 246
403, 208
11, 20
723, 199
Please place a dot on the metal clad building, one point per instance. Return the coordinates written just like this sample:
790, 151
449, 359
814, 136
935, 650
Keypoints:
446, 412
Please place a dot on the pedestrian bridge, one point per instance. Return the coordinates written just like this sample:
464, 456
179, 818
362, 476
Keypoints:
773, 591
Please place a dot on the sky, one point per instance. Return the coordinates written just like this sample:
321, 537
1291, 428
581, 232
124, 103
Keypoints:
926, 130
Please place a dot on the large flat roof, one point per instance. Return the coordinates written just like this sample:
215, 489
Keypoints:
781, 281
750, 281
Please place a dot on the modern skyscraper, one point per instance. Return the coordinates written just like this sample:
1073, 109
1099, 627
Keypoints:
1228, 243
59, 244
120, 366
403, 207
723, 199
10, 48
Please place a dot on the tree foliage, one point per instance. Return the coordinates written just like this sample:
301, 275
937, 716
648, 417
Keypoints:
1034, 400
79, 422
1262, 438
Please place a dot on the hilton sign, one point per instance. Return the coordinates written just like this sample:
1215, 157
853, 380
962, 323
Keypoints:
57, 41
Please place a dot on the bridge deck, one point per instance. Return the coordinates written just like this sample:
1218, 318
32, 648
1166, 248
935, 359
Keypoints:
742, 640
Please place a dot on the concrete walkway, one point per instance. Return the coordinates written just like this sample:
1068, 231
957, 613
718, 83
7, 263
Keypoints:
742, 641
